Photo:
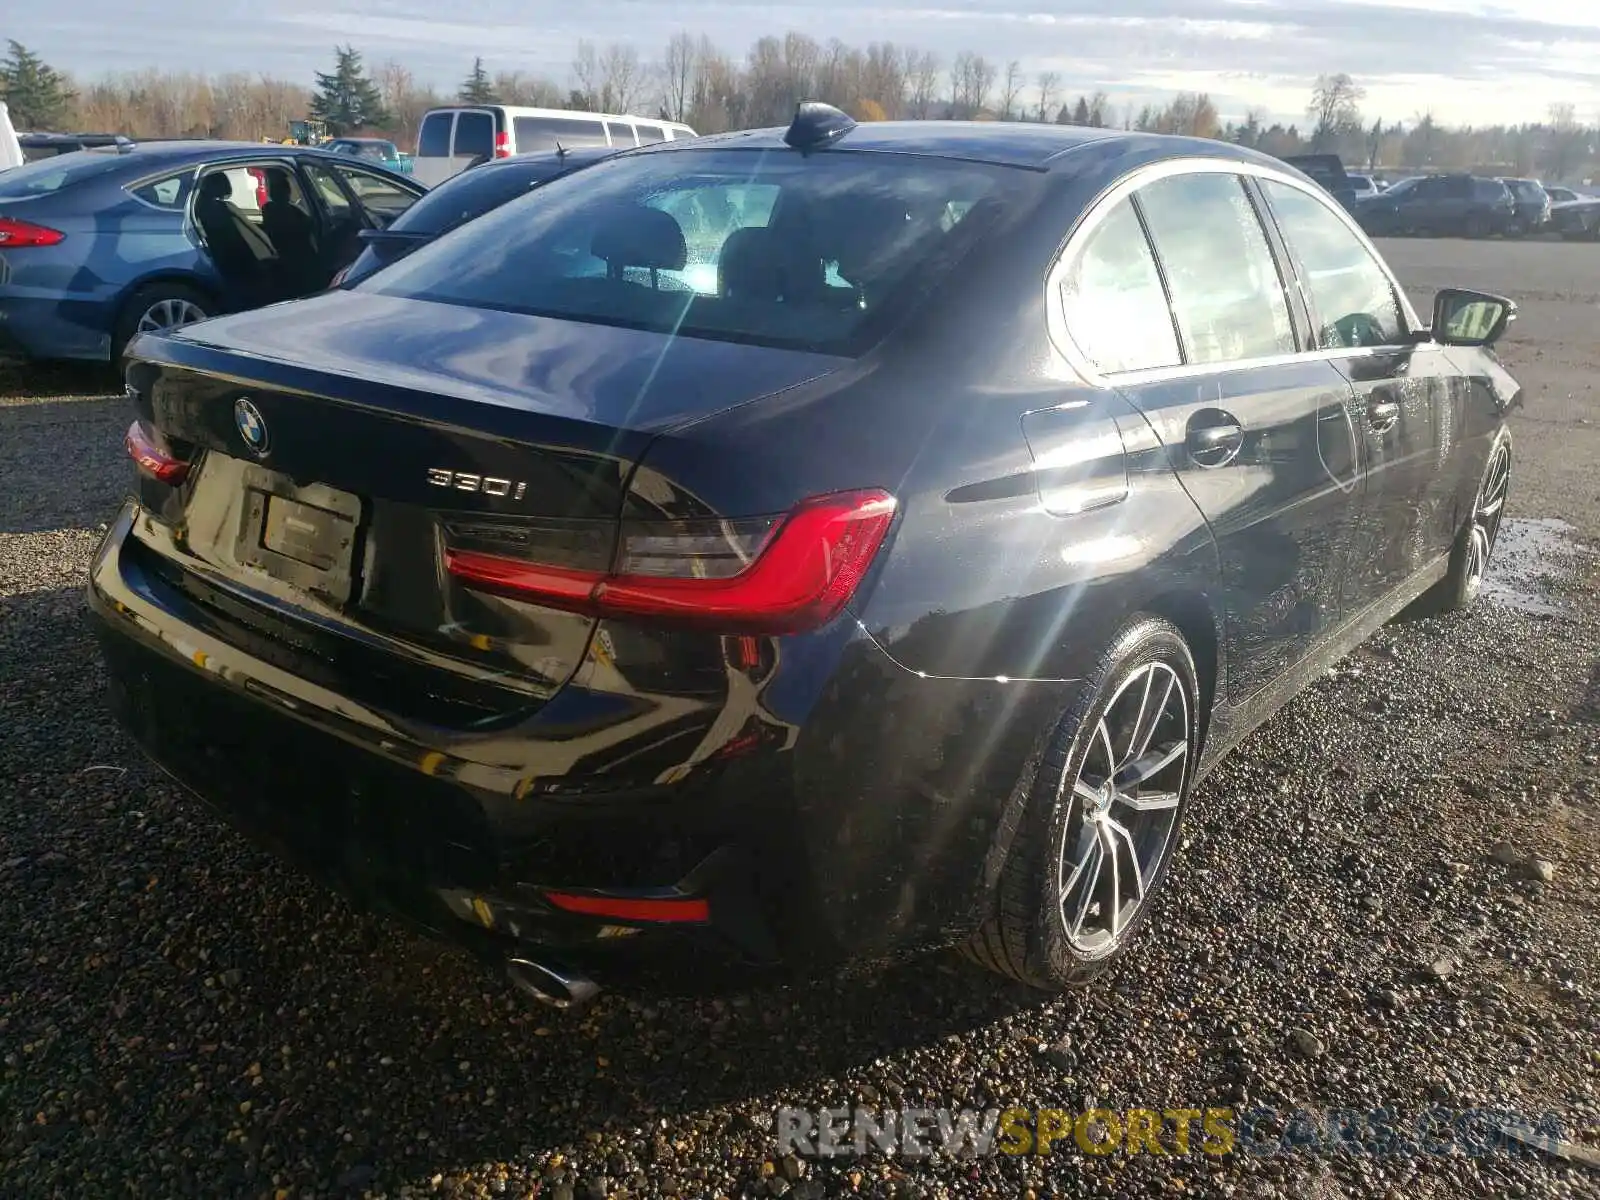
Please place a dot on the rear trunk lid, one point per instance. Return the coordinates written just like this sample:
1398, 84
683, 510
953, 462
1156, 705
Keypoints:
344, 447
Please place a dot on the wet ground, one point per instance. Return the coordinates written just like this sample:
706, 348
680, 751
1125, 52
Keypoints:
1386, 899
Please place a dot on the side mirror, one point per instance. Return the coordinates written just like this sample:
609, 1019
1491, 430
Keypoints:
1465, 318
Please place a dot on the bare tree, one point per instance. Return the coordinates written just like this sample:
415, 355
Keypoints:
620, 77
922, 75
586, 74
1335, 110
1010, 89
678, 70
1566, 142
1047, 83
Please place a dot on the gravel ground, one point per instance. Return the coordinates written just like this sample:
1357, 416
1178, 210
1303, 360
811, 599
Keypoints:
1387, 896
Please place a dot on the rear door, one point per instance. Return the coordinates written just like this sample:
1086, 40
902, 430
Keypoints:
1404, 410
1258, 433
431, 165
473, 141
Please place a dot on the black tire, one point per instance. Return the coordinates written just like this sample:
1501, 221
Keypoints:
1474, 544
148, 298
1028, 936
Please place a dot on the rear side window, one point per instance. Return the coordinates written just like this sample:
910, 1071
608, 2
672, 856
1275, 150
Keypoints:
1224, 282
171, 192
819, 253
535, 134
433, 141
621, 135
474, 135
1112, 300
649, 132
1354, 301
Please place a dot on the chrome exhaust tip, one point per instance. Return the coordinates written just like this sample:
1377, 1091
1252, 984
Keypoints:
551, 986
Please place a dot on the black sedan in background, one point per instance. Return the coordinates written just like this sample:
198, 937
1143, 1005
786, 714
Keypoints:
1451, 205
460, 199
794, 547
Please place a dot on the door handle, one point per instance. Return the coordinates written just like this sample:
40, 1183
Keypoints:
1382, 414
1215, 445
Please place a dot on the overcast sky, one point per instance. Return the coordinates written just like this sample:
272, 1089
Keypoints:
1482, 63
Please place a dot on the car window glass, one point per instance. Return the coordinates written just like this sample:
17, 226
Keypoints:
171, 192
535, 134
434, 139
1225, 287
649, 133
1111, 298
820, 253
474, 135
1354, 301
328, 189
376, 193
621, 135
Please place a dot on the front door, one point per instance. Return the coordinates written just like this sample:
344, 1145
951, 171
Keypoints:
1403, 404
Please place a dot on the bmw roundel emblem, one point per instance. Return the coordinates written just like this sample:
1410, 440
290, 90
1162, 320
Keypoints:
251, 427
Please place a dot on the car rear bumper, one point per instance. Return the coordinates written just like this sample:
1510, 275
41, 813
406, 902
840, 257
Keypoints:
50, 328
867, 835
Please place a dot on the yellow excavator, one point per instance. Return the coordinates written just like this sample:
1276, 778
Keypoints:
306, 133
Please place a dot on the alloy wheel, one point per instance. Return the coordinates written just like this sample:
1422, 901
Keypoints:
1486, 514
170, 313
1128, 788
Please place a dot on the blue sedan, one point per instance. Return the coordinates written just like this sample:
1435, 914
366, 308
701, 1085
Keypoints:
99, 245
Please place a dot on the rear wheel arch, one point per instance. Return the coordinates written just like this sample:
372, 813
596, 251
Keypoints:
140, 295
1193, 616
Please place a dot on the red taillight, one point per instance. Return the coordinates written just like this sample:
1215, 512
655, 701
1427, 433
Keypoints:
619, 908
15, 233
260, 177
502, 144
762, 576
152, 457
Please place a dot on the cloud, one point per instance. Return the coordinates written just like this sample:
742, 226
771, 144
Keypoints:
1485, 63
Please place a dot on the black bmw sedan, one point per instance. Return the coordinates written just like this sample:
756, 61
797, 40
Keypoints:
793, 547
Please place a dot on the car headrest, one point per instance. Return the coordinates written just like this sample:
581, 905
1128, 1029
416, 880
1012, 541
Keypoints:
763, 264
863, 231
633, 235
216, 187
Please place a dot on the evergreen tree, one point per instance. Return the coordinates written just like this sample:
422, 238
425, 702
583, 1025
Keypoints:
1080, 111
477, 89
35, 92
346, 99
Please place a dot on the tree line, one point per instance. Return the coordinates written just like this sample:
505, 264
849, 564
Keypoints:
694, 81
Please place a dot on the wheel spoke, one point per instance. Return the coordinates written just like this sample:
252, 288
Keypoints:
1089, 890
1085, 791
1116, 893
1138, 719
1148, 801
1095, 849
1121, 831
1152, 764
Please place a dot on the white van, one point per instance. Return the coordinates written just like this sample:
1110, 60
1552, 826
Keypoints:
452, 139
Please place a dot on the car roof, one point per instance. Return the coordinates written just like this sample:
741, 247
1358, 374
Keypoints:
1002, 143
148, 156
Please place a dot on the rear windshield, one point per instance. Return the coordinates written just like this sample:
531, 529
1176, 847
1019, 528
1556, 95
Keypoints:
815, 253
471, 194
52, 174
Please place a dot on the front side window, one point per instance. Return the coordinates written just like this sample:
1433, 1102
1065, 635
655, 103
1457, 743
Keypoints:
327, 187
1112, 301
1353, 299
433, 141
376, 193
815, 253
1226, 292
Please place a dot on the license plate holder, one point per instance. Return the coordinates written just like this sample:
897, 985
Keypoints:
304, 536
